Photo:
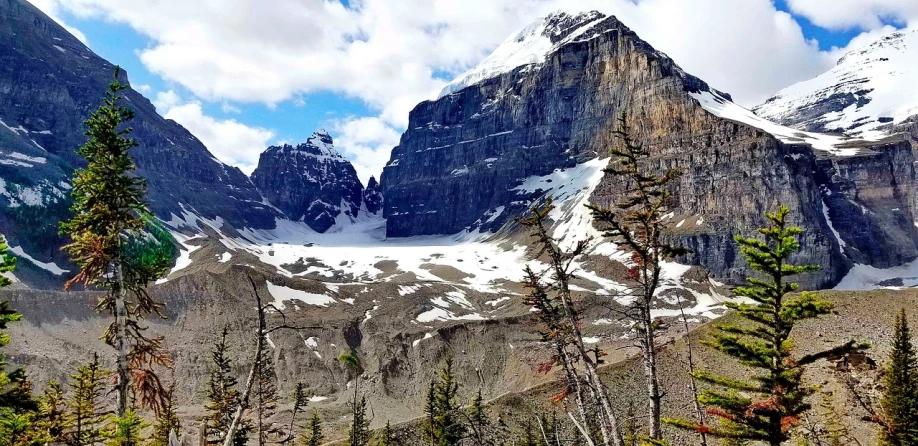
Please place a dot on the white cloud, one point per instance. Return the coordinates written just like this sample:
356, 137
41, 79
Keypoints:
863, 14
229, 108
389, 53
367, 142
230, 141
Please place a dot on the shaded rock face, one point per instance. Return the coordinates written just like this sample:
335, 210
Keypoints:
372, 196
869, 201
49, 83
311, 182
464, 155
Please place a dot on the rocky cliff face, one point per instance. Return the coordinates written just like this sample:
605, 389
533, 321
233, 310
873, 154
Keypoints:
311, 182
49, 83
466, 154
372, 196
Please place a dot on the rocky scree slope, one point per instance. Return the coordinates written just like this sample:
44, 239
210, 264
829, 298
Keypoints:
549, 99
49, 83
311, 182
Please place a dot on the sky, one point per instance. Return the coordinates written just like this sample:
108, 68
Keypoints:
245, 74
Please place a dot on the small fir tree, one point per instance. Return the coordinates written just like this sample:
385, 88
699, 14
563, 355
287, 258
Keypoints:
7, 262
444, 425
300, 401
900, 397
52, 413
17, 427
386, 436
126, 430
478, 418
222, 396
87, 416
314, 437
265, 395
766, 408
359, 432
167, 422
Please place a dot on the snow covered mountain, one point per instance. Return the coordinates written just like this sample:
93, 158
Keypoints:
311, 182
870, 90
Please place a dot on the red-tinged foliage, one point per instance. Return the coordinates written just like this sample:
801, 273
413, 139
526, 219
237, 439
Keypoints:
633, 273
560, 396
702, 429
789, 422
546, 367
720, 413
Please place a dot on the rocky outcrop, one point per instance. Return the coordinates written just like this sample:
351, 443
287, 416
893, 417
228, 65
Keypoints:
465, 155
372, 196
311, 182
49, 83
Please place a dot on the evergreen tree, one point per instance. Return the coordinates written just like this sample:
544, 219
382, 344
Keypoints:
87, 414
17, 427
480, 424
386, 436
767, 407
7, 262
359, 432
300, 401
265, 394
222, 396
444, 427
315, 436
110, 248
126, 430
167, 422
52, 413
528, 436
636, 223
900, 397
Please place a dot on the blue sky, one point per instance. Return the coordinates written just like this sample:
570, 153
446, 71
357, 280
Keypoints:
247, 73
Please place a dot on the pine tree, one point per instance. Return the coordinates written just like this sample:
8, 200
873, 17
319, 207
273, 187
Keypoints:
167, 422
265, 395
222, 395
636, 223
386, 436
87, 414
478, 417
16, 427
315, 436
359, 432
7, 262
111, 250
126, 430
52, 413
900, 397
444, 427
300, 401
767, 407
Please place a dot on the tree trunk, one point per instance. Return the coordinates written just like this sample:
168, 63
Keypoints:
121, 343
648, 345
691, 363
249, 382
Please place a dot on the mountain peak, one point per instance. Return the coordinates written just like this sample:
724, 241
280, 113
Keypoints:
528, 46
321, 140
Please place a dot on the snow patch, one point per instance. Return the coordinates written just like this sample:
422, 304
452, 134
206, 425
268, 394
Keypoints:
50, 267
282, 294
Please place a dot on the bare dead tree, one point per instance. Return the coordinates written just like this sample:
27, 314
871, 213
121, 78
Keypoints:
636, 223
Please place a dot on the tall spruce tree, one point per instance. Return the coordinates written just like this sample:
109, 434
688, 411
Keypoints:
444, 426
222, 395
900, 397
7, 262
770, 405
87, 416
265, 395
636, 223
314, 437
110, 248
358, 434
300, 401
